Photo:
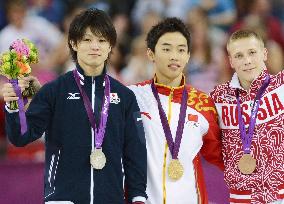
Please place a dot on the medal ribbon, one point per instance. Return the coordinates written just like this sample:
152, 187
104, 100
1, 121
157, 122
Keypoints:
173, 146
100, 131
247, 137
21, 104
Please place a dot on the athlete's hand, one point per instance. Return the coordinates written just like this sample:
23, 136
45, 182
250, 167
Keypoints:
24, 83
9, 93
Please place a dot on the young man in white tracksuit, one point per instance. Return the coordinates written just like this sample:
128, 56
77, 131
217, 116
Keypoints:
180, 122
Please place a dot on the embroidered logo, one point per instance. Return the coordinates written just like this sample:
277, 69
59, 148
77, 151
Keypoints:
228, 97
192, 119
271, 106
114, 98
73, 96
146, 114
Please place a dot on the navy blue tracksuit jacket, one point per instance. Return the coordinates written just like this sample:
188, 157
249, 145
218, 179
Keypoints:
58, 111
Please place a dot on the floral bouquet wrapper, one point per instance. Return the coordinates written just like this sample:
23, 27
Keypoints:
16, 63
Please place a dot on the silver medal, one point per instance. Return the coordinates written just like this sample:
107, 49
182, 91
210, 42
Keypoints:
98, 159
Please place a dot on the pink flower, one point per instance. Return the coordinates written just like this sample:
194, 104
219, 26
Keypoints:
20, 48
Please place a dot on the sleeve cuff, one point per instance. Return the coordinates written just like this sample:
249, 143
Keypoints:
7, 107
138, 200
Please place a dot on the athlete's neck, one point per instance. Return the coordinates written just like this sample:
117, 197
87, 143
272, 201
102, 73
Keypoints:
176, 82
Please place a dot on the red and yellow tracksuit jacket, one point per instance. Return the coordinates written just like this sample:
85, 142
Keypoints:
201, 134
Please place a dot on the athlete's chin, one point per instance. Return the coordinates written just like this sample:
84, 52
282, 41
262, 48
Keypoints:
95, 65
173, 76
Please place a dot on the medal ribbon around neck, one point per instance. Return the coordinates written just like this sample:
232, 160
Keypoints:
247, 137
100, 131
173, 146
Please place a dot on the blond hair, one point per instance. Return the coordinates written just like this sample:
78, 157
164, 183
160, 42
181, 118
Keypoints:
241, 34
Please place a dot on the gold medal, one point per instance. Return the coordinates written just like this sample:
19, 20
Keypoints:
175, 169
247, 164
98, 159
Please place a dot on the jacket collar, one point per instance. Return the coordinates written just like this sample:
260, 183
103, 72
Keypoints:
255, 85
166, 90
85, 79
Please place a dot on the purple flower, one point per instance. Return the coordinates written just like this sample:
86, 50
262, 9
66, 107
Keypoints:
20, 48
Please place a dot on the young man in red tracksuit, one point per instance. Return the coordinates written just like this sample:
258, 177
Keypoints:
251, 116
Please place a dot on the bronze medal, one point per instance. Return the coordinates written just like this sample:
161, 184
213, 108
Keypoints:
175, 170
247, 164
98, 159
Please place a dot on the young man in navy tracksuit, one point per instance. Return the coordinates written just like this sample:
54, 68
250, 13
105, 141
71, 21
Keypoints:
86, 146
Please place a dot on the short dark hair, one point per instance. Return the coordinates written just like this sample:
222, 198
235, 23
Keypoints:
99, 23
12, 3
169, 25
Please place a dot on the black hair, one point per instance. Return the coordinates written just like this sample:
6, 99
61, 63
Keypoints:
99, 23
169, 25
11, 3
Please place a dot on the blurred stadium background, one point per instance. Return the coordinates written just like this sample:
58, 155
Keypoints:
46, 23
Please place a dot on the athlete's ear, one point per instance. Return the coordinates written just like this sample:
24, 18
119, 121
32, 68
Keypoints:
230, 57
73, 45
151, 55
265, 54
188, 58
230, 61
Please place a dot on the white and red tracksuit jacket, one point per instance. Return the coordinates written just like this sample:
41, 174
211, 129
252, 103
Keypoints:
266, 183
201, 133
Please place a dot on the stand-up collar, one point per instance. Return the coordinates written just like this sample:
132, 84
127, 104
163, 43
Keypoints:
85, 79
255, 85
166, 90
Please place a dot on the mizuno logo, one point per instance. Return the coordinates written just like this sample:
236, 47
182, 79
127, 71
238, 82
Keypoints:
73, 96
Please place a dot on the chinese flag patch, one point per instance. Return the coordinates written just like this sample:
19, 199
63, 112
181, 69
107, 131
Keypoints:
193, 118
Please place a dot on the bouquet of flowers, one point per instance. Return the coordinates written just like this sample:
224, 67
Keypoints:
16, 62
